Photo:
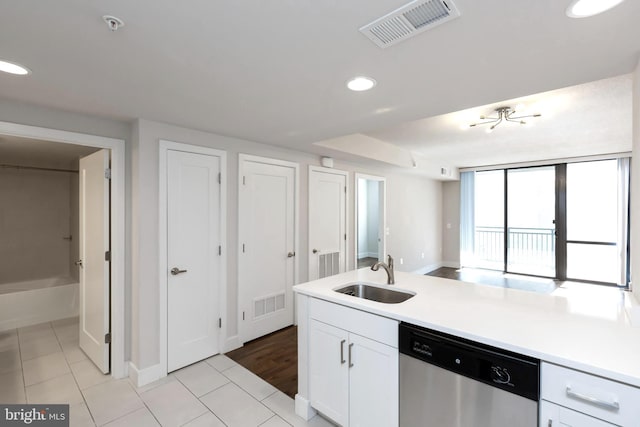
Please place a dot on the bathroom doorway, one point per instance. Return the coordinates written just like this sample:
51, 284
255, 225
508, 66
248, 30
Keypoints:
41, 183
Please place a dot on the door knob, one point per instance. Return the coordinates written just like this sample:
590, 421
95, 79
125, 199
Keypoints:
315, 251
78, 263
175, 271
291, 254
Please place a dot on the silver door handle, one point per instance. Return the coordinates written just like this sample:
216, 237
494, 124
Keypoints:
291, 254
350, 363
315, 251
79, 263
342, 361
175, 271
612, 406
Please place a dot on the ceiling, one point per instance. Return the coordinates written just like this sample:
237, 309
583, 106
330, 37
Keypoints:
275, 72
17, 151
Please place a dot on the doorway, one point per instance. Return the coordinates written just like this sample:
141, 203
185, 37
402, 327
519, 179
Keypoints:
268, 243
116, 210
370, 220
327, 222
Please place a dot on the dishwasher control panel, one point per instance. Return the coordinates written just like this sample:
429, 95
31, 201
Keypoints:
506, 370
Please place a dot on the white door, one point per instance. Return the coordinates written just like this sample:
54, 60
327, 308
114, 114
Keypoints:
94, 254
327, 223
267, 246
193, 257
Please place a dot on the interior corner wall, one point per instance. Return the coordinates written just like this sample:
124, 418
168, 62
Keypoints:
635, 187
451, 224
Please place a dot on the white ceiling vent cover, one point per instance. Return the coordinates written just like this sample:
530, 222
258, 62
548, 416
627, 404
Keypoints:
410, 20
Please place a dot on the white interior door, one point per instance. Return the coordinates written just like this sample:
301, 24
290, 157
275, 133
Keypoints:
267, 246
94, 265
193, 257
327, 222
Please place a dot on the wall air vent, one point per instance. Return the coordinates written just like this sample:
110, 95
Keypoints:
410, 20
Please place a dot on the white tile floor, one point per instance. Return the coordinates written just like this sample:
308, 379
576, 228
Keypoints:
43, 364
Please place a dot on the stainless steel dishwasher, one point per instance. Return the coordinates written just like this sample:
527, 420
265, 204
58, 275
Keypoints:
446, 381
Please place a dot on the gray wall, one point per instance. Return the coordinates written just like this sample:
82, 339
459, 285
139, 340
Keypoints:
35, 215
413, 212
451, 223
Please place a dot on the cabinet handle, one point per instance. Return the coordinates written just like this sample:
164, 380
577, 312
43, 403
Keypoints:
612, 406
350, 347
342, 361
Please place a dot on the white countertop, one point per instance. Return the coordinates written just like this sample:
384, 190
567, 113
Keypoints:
586, 329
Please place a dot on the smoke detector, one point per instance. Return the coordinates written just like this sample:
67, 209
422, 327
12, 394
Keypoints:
409, 20
113, 23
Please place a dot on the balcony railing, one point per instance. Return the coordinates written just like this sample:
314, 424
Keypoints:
527, 246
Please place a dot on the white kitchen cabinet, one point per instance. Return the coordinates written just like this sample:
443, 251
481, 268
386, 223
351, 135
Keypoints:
328, 371
552, 415
353, 379
573, 398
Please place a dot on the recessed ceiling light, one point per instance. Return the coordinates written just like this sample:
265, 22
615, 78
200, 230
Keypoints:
586, 8
13, 68
361, 83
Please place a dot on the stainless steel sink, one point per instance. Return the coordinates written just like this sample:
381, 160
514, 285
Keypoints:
375, 293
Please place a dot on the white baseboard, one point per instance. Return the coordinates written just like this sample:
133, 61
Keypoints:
428, 268
303, 408
141, 377
451, 264
232, 343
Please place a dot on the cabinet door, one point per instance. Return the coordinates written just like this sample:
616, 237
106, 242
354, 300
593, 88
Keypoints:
373, 383
328, 371
552, 415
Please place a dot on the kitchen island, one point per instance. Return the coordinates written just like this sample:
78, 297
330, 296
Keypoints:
581, 331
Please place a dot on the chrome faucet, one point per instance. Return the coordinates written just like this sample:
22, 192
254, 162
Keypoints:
388, 267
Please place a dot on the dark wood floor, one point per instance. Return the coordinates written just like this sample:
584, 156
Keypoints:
274, 358
366, 262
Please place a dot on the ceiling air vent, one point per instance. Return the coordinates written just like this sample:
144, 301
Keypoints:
408, 21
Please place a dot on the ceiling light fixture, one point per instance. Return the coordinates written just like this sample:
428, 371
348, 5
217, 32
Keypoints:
13, 68
361, 83
586, 8
504, 114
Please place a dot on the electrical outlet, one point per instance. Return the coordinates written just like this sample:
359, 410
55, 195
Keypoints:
449, 225
422, 255
401, 261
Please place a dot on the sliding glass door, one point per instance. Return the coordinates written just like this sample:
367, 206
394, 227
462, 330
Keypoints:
565, 221
531, 206
594, 213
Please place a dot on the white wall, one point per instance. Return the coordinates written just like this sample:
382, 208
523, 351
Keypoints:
414, 220
373, 220
451, 224
635, 187
413, 206
35, 215
363, 237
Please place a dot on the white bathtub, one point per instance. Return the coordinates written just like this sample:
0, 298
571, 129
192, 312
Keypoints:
36, 301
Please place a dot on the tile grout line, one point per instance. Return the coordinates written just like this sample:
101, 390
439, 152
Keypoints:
75, 380
24, 383
201, 402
